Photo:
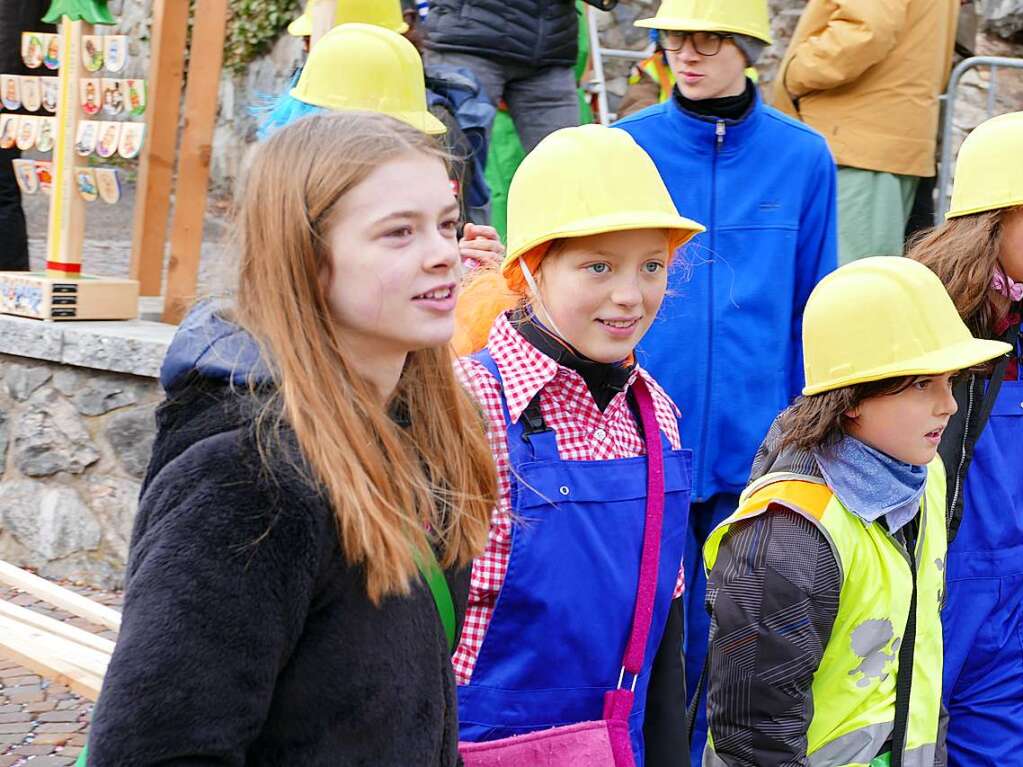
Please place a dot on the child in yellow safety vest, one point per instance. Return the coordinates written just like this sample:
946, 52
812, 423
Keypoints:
825, 586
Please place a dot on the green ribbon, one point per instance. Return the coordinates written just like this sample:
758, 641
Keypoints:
434, 577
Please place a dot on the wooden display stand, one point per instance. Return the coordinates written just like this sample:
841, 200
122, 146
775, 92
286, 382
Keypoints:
48, 295
63, 292
42, 297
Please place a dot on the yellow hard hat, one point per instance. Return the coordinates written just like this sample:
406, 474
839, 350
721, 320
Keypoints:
588, 180
381, 13
302, 26
367, 68
989, 171
742, 17
885, 317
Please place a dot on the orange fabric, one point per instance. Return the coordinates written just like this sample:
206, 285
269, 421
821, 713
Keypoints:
487, 294
808, 497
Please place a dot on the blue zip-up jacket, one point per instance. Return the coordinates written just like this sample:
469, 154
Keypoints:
727, 344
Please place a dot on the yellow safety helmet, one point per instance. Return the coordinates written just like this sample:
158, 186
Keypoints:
588, 180
382, 13
741, 17
989, 170
302, 26
367, 68
885, 317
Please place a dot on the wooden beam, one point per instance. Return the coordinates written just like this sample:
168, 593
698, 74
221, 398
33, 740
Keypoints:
156, 167
33, 619
57, 596
64, 661
201, 100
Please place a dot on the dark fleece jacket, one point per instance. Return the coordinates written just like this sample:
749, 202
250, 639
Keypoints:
247, 638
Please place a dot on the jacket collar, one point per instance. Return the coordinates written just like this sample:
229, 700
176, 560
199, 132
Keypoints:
701, 132
525, 370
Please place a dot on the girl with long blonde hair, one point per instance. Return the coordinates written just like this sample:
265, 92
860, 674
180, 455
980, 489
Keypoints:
315, 461
978, 254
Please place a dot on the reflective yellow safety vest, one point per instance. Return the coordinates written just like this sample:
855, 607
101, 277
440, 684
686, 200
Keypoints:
657, 69
854, 686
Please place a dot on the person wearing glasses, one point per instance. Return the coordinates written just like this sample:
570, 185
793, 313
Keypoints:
726, 344
868, 76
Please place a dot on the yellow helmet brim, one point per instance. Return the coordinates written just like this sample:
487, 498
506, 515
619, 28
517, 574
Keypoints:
959, 356
680, 230
702, 25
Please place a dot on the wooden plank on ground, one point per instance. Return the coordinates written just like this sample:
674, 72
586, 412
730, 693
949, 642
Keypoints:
207, 54
156, 166
37, 620
65, 662
58, 596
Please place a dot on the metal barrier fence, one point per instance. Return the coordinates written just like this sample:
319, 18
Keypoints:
945, 167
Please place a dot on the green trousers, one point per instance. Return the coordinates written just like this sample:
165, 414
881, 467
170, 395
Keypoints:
873, 209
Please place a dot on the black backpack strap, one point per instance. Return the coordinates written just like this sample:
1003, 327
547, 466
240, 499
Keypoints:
533, 422
904, 680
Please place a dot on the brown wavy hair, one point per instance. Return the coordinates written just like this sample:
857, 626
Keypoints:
963, 252
819, 420
393, 490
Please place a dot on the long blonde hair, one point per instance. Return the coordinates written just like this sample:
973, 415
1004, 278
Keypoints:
963, 252
392, 489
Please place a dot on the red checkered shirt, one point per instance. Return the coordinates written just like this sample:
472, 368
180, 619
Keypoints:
583, 432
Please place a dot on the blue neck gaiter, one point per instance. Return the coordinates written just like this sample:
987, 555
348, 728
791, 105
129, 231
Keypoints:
870, 483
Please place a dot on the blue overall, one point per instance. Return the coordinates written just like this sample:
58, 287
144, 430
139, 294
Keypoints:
557, 636
983, 616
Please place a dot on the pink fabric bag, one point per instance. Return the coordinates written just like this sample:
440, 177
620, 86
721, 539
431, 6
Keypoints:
604, 742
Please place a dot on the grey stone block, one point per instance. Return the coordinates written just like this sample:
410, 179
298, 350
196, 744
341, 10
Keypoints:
1003, 17
47, 519
50, 438
98, 393
23, 380
4, 429
131, 434
115, 501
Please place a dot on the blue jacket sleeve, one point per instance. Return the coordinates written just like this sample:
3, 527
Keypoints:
817, 250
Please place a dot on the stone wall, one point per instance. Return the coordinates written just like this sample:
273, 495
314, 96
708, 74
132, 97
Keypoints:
75, 442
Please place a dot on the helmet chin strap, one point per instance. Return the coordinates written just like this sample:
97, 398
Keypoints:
546, 315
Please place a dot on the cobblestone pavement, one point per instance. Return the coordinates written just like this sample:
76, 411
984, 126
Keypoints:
43, 724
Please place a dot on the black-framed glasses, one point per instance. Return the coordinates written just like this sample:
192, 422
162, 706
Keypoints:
705, 43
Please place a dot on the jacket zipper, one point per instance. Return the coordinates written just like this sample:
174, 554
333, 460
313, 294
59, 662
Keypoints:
962, 454
719, 134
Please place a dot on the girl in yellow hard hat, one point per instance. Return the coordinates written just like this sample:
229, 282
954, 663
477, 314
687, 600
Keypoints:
320, 483
577, 593
825, 585
978, 254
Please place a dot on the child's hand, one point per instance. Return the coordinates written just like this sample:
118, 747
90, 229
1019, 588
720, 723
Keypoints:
480, 246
